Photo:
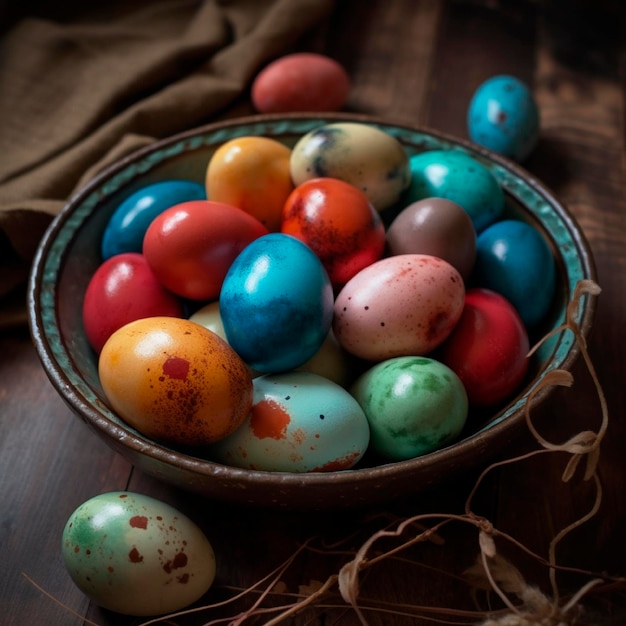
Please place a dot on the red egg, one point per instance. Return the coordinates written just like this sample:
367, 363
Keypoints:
190, 246
488, 348
302, 81
338, 222
124, 289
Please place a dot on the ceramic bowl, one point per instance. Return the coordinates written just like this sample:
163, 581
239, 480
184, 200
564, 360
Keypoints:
69, 254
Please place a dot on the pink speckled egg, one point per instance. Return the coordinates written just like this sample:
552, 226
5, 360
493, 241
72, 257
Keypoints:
402, 305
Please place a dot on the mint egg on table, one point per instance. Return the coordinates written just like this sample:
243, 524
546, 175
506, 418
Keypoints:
136, 555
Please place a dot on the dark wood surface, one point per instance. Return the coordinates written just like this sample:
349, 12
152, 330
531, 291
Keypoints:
416, 61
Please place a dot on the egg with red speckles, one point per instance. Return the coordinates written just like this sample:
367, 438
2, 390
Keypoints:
175, 381
137, 555
401, 305
299, 422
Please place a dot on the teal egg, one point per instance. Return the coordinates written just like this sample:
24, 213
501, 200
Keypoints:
414, 405
456, 176
128, 224
513, 259
503, 116
276, 303
136, 555
299, 422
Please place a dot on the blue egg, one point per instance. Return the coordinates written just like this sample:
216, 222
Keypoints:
503, 116
513, 259
127, 226
456, 176
276, 303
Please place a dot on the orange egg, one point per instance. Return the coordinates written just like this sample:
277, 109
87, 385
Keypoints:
175, 381
251, 173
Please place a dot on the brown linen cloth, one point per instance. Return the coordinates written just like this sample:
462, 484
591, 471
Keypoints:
82, 84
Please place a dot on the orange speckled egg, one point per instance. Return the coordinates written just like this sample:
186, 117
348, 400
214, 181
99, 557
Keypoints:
252, 173
175, 381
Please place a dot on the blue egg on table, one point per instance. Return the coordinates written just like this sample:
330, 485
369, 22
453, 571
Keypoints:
460, 178
276, 303
514, 259
128, 224
503, 116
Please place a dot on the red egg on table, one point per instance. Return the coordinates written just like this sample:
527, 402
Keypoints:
302, 81
123, 289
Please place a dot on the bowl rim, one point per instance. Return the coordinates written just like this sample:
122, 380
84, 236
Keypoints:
43, 337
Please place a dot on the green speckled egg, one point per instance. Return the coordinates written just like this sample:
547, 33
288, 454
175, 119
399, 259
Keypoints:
459, 177
414, 405
360, 154
136, 555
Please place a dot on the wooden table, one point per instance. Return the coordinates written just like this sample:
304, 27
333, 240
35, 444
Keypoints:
415, 61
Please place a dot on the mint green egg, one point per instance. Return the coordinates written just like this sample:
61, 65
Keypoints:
136, 555
414, 405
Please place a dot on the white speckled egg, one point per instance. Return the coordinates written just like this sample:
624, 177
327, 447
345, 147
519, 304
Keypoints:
360, 154
404, 305
136, 555
300, 422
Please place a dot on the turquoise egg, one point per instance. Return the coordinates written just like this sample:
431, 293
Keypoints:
503, 116
456, 176
414, 405
128, 224
299, 422
513, 259
276, 303
136, 555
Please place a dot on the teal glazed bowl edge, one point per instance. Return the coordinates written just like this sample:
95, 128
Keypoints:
69, 254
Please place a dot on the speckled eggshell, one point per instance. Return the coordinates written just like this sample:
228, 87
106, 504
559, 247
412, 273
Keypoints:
360, 154
414, 405
457, 176
136, 555
401, 305
299, 422
504, 117
438, 227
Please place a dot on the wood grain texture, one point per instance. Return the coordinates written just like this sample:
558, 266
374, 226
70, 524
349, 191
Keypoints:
417, 61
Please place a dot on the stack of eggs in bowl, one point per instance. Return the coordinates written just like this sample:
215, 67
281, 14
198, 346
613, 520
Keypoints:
324, 310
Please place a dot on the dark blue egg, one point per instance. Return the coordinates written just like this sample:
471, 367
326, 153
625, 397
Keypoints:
127, 226
276, 303
513, 259
456, 176
503, 116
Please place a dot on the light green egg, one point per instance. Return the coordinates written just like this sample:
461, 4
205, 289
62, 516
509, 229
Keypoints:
414, 405
136, 555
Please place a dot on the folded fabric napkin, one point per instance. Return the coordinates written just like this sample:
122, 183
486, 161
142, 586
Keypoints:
82, 84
